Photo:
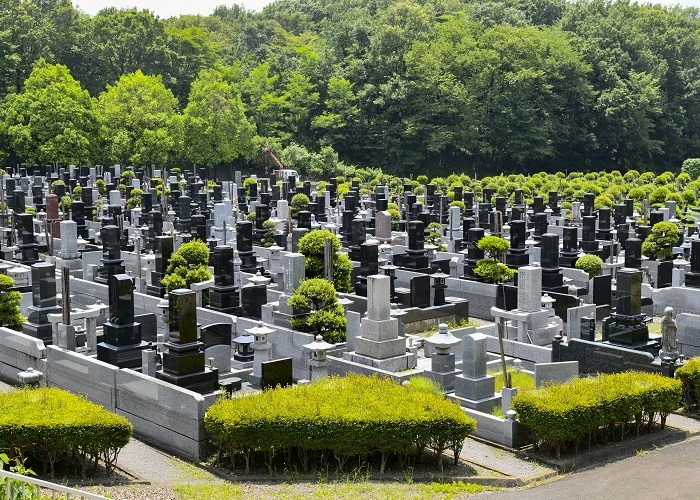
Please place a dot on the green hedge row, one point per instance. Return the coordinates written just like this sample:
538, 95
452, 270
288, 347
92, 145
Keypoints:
349, 416
569, 413
689, 375
52, 425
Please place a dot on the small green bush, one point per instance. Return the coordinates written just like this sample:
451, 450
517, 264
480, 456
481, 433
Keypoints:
135, 198
101, 187
689, 375
186, 266
325, 317
377, 415
299, 202
10, 301
590, 263
312, 245
52, 425
584, 409
268, 239
658, 244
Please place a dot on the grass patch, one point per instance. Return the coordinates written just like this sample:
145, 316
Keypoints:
349, 490
452, 325
220, 491
523, 381
190, 472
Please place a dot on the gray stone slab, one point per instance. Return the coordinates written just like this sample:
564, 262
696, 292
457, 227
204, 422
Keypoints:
688, 334
573, 319
561, 372
82, 375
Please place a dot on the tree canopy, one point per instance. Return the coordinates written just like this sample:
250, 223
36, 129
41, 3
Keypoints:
407, 86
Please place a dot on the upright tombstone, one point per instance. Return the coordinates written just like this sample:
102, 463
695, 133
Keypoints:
369, 265
588, 242
244, 245
552, 276
692, 278
569, 254
474, 254
183, 363
516, 255
163, 250
294, 274
44, 302
223, 296
122, 344
415, 254
111, 255
29, 254
627, 325
383, 226
379, 344
633, 255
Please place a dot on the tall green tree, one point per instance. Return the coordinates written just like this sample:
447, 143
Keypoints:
215, 124
53, 119
140, 121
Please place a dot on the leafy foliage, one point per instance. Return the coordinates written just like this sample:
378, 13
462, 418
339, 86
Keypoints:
299, 202
658, 243
378, 415
326, 316
10, 311
689, 375
312, 245
188, 265
575, 411
590, 263
52, 425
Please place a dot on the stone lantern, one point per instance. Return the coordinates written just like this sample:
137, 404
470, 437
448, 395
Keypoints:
261, 346
439, 286
547, 301
244, 348
442, 362
318, 363
164, 306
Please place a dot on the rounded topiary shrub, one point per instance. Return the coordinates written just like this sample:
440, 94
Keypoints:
592, 264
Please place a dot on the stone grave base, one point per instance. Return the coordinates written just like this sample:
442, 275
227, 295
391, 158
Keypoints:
485, 405
406, 361
201, 382
128, 356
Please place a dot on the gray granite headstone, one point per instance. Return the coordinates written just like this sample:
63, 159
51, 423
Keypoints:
555, 372
530, 289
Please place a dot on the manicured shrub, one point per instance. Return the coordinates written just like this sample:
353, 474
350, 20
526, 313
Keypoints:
325, 316
299, 202
348, 417
312, 245
186, 266
658, 244
689, 375
587, 409
590, 263
268, 239
52, 425
10, 311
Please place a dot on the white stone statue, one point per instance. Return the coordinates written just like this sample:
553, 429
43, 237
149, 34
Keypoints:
669, 345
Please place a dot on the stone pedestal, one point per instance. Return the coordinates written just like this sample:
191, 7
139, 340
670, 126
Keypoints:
474, 389
379, 344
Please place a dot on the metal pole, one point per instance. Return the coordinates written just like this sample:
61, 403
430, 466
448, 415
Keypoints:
506, 381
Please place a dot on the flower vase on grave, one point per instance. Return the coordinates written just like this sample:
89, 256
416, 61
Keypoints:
122, 344
183, 364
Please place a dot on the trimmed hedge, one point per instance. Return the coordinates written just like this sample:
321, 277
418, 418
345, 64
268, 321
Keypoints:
52, 425
689, 375
349, 416
595, 407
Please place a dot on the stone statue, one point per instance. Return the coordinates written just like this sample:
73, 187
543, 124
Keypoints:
669, 346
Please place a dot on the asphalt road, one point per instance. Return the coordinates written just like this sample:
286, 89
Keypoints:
671, 472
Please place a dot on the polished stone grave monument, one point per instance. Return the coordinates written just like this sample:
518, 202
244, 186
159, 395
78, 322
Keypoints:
122, 344
183, 363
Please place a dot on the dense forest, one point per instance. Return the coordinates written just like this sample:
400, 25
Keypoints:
408, 86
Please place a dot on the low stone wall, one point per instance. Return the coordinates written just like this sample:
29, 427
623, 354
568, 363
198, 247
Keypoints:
508, 433
165, 415
19, 352
596, 357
